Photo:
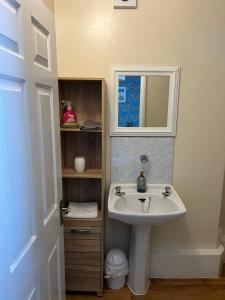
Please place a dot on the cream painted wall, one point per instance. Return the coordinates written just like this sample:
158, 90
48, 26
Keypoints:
91, 36
49, 4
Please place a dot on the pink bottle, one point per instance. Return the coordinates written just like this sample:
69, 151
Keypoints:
69, 115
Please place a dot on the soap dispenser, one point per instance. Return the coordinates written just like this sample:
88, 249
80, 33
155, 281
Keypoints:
141, 183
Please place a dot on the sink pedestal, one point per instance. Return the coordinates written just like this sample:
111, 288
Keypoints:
138, 278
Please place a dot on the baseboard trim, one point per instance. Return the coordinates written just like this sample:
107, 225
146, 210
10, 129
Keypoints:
222, 240
186, 263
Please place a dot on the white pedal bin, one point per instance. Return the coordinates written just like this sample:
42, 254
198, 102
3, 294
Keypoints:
116, 268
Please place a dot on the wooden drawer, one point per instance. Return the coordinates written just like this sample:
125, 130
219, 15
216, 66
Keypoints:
84, 222
82, 239
82, 255
82, 233
83, 258
83, 277
85, 270
75, 282
82, 248
82, 243
82, 274
76, 259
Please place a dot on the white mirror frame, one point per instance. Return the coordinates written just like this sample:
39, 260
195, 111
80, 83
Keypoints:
170, 130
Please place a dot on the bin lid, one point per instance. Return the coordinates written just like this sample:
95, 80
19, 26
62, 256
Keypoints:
116, 258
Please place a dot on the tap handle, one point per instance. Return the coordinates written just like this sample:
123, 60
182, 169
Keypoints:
144, 158
118, 189
168, 189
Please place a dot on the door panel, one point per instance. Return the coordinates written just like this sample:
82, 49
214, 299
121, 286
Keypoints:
42, 49
10, 26
33, 295
53, 271
46, 138
16, 138
30, 171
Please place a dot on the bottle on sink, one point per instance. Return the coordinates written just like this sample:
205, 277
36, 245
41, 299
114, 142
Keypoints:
141, 183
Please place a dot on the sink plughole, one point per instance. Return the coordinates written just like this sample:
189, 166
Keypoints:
142, 210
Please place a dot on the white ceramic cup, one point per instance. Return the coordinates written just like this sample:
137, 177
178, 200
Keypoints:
79, 164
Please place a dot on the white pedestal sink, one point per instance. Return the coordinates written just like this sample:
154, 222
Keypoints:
142, 210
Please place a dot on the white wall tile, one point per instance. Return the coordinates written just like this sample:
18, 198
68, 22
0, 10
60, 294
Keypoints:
125, 158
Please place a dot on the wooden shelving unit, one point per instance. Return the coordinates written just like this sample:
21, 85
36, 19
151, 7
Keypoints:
84, 242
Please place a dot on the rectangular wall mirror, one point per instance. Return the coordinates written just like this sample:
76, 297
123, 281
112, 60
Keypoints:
144, 101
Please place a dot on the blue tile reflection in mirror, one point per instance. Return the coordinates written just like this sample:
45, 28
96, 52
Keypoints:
129, 90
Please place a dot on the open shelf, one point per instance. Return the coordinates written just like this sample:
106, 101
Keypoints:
86, 97
89, 173
88, 145
82, 190
79, 130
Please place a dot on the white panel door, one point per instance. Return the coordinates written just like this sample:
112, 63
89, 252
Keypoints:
31, 239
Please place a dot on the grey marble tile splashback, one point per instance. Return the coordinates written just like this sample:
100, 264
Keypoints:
125, 158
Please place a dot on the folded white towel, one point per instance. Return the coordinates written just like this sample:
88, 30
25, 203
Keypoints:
83, 210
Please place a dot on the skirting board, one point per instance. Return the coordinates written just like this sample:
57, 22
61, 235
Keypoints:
186, 263
222, 240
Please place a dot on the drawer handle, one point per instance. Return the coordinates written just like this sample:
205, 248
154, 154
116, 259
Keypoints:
80, 230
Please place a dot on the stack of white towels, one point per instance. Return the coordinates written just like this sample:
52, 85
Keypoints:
82, 210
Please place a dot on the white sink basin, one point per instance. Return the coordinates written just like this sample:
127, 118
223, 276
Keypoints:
142, 210
130, 210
